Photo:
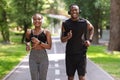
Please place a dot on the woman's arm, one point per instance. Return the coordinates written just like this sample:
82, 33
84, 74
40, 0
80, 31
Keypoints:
49, 41
27, 40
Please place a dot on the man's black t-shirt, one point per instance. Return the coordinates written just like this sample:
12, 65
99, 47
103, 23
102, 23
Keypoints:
75, 45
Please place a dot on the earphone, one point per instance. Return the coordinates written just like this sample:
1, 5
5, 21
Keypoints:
73, 5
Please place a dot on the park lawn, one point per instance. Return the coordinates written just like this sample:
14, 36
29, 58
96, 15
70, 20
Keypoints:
11, 54
110, 62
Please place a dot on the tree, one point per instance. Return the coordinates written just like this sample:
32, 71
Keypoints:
23, 11
3, 21
114, 43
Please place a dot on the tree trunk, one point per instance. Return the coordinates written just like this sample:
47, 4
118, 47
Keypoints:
96, 26
96, 34
114, 43
4, 27
5, 33
25, 30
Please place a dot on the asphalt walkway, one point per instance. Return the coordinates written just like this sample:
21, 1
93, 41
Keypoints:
56, 69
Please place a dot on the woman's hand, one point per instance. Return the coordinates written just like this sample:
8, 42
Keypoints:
35, 42
27, 47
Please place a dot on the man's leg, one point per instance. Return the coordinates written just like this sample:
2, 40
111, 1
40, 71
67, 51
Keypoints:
70, 77
70, 67
81, 77
81, 68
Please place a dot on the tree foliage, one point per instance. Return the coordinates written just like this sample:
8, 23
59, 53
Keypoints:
96, 11
23, 11
19, 13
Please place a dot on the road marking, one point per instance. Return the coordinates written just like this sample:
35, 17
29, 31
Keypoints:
57, 79
56, 65
57, 72
56, 60
54, 47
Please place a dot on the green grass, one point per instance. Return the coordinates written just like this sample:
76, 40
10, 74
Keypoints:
108, 61
11, 54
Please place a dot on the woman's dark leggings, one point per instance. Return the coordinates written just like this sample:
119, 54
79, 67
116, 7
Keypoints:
38, 63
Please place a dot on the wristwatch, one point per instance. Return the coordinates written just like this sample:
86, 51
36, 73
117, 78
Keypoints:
40, 42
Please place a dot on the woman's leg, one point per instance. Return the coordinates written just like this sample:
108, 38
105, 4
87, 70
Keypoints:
43, 66
33, 69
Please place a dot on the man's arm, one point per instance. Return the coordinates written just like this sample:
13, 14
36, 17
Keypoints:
91, 30
65, 38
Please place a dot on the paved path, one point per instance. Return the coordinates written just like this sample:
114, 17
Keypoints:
56, 69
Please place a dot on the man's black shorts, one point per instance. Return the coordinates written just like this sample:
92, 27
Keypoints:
76, 62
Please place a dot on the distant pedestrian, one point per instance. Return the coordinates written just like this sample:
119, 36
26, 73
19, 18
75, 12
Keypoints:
37, 41
73, 30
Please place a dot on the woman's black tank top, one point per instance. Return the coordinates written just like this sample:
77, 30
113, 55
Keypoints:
42, 37
79, 28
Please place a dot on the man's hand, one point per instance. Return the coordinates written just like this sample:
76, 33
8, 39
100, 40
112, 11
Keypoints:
87, 43
69, 34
